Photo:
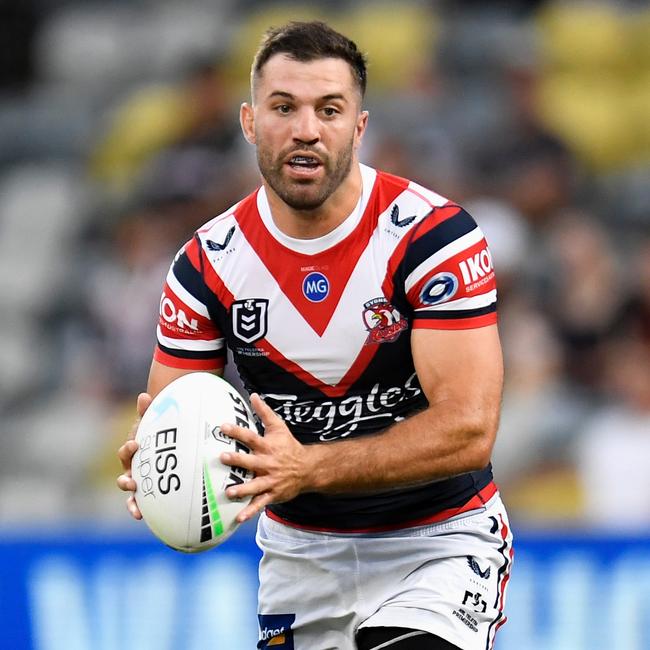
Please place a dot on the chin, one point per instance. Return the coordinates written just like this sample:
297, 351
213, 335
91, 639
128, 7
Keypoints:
303, 203
303, 199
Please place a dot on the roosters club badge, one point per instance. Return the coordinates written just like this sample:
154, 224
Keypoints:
383, 322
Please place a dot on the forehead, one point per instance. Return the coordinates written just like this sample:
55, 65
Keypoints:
305, 79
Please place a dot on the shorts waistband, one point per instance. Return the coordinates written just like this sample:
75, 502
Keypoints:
478, 503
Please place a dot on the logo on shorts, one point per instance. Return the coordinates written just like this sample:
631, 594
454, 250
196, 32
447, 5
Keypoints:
473, 565
275, 631
249, 322
383, 322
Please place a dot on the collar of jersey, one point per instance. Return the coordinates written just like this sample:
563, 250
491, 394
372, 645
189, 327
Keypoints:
319, 244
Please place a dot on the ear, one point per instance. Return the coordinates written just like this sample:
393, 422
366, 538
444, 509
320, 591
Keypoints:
360, 128
247, 122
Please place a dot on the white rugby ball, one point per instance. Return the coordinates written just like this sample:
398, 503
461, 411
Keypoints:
180, 480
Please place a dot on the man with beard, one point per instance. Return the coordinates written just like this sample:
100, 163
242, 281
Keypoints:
360, 309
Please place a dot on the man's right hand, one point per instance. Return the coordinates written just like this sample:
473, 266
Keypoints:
125, 454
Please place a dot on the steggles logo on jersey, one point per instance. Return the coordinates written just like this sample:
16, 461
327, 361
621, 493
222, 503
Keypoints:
440, 288
338, 418
396, 221
383, 322
249, 319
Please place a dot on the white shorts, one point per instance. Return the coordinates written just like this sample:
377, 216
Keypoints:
448, 578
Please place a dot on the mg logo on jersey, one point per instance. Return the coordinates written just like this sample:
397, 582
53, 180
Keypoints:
249, 319
476, 267
315, 287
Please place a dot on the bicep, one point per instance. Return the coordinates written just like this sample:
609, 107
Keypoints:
161, 375
463, 366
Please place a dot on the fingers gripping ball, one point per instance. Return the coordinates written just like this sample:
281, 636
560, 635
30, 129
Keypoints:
180, 480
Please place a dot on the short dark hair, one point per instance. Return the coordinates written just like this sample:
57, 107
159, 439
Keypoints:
308, 41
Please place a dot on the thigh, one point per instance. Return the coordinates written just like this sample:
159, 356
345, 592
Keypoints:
308, 590
456, 590
400, 638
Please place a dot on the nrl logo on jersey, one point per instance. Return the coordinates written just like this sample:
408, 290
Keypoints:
249, 319
383, 322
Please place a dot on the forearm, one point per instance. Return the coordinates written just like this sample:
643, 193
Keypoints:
442, 441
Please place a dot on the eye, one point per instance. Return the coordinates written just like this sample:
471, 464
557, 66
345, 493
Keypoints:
283, 109
330, 111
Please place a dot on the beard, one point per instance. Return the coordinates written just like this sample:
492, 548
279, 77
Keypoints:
307, 194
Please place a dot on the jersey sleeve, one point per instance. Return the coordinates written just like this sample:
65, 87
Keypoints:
186, 336
449, 275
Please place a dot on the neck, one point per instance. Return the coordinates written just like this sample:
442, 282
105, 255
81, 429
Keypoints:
310, 224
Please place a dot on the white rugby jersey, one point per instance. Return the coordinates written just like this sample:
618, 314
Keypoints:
321, 327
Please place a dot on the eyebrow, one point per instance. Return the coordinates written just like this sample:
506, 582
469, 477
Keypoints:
326, 98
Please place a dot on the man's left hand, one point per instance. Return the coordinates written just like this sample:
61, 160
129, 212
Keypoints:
280, 463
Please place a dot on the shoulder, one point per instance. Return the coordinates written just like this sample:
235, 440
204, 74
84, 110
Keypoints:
410, 205
411, 211
213, 233
409, 190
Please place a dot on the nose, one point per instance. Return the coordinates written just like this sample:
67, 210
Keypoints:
306, 127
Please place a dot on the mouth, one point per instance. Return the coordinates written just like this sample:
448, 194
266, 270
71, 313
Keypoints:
304, 164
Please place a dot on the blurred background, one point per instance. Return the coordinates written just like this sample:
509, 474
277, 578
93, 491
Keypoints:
119, 135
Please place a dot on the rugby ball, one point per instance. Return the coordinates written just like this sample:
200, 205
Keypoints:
180, 480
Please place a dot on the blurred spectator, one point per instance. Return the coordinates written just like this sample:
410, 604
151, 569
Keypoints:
635, 319
584, 295
121, 299
530, 170
614, 446
540, 408
197, 110
510, 238
18, 26
178, 191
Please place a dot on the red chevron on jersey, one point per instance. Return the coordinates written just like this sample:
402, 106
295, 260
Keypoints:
290, 267
337, 390
340, 388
